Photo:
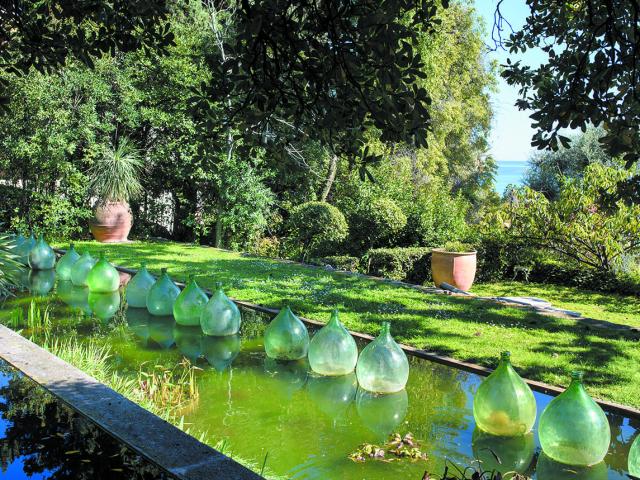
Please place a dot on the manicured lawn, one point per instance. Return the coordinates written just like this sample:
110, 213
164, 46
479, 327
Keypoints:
622, 309
543, 348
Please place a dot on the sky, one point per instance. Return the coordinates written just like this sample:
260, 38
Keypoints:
511, 133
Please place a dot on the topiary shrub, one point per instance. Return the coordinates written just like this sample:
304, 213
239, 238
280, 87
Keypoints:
377, 223
410, 264
316, 228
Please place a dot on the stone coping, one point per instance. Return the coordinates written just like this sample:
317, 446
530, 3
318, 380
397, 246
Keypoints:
173, 450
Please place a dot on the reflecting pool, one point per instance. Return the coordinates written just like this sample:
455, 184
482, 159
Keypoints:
298, 424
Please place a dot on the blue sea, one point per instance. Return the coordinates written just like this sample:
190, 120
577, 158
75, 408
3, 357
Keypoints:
510, 172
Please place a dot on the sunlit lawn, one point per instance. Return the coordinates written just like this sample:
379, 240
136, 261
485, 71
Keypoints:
543, 348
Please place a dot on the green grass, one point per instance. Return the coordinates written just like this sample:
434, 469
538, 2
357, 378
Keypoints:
543, 348
611, 307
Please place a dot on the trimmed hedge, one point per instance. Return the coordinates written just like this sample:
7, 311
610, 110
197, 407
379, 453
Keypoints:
410, 264
339, 262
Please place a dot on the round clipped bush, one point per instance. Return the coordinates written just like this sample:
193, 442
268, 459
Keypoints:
316, 228
377, 223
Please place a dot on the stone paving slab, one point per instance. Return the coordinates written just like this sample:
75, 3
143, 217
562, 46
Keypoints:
155, 439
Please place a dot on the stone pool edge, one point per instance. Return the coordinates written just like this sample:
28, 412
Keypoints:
541, 387
158, 441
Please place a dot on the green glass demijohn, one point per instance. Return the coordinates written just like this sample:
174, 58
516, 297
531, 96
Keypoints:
81, 269
573, 428
332, 350
103, 277
504, 404
23, 248
189, 304
162, 295
42, 256
66, 262
286, 337
383, 366
220, 316
104, 305
503, 454
138, 288
634, 458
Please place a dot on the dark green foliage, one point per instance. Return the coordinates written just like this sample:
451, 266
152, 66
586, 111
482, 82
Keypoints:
375, 223
43, 35
316, 228
436, 219
411, 264
115, 176
338, 262
333, 69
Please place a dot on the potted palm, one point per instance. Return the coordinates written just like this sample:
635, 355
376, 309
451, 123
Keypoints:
114, 180
454, 264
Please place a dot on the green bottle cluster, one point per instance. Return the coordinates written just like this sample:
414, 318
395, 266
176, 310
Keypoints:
41, 256
573, 428
220, 316
189, 304
383, 366
138, 288
162, 295
332, 350
286, 337
66, 262
504, 404
81, 269
103, 277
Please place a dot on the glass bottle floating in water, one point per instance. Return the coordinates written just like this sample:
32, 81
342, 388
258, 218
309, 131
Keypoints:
286, 337
573, 428
138, 288
189, 304
504, 404
103, 277
162, 295
42, 256
23, 248
220, 316
332, 350
383, 366
64, 265
81, 269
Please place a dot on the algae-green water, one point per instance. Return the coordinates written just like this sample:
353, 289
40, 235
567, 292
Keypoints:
298, 424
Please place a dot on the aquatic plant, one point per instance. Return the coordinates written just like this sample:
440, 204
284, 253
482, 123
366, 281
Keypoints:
396, 447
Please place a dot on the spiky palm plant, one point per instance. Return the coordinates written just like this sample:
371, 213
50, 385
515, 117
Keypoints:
10, 267
115, 176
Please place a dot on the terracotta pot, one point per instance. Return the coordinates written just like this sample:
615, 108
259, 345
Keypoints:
455, 268
112, 222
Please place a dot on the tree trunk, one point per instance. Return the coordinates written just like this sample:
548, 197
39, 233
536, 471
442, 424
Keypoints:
331, 176
218, 237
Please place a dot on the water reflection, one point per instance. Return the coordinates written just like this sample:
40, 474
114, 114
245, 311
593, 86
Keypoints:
220, 352
503, 454
548, 469
104, 305
382, 413
161, 331
41, 282
332, 395
41, 438
138, 320
290, 375
188, 340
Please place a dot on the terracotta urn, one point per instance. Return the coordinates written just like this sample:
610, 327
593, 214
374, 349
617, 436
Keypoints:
455, 268
111, 222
